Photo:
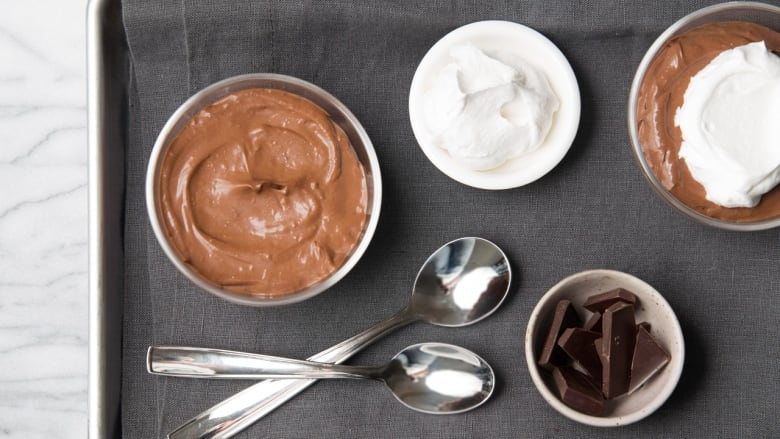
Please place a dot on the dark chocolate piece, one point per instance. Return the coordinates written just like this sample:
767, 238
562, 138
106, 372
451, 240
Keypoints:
565, 317
578, 344
593, 323
578, 392
618, 330
600, 302
649, 358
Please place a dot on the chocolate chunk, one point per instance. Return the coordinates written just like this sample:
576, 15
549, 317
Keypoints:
649, 358
578, 344
593, 323
600, 302
565, 317
618, 331
577, 391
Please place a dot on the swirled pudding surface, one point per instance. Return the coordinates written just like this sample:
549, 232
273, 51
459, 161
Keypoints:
262, 193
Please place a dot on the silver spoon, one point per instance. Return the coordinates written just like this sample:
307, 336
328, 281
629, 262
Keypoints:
434, 378
461, 283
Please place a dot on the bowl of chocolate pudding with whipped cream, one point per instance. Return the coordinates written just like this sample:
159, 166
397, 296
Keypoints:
263, 189
703, 116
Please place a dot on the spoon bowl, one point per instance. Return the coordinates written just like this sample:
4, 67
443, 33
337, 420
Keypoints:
461, 283
439, 378
434, 378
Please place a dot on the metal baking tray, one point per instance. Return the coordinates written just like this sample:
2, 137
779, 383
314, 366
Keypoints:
109, 79
108, 69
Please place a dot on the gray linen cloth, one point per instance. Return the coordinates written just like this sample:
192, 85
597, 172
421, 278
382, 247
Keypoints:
594, 210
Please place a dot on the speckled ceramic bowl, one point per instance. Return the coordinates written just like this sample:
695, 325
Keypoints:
651, 308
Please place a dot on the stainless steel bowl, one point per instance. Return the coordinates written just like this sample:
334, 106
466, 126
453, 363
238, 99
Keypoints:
755, 12
338, 113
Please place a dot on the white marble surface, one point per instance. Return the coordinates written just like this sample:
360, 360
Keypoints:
43, 219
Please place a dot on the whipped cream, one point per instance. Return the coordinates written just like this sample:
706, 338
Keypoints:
729, 120
486, 109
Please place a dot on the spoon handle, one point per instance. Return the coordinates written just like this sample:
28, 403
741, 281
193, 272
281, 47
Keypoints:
241, 410
224, 364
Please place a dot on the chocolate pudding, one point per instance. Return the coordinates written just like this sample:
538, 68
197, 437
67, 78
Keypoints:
661, 94
262, 193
